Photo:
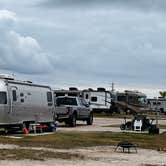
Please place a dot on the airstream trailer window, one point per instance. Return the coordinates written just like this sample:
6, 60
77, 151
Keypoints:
49, 96
94, 99
22, 100
21, 94
14, 95
3, 98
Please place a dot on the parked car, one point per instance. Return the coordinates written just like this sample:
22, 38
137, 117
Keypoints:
69, 109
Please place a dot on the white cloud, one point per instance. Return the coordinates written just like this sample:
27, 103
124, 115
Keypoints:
7, 15
20, 53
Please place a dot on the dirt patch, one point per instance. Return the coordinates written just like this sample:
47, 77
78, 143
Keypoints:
102, 155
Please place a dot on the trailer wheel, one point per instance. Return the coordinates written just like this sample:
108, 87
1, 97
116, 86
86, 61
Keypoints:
90, 119
52, 127
72, 120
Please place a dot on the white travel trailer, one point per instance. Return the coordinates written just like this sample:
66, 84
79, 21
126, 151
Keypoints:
158, 104
99, 100
23, 103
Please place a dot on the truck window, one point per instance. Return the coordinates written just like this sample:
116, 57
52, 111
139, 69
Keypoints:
83, 102
3, 98
49, 97
14, 95
66, 101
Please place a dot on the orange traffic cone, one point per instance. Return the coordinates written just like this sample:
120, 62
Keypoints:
25, 131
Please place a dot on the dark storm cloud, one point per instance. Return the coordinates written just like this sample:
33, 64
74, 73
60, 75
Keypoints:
85, 41
145, 5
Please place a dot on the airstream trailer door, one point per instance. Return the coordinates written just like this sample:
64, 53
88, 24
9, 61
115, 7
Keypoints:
13, 98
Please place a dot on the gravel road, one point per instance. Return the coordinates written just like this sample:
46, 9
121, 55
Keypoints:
100, 124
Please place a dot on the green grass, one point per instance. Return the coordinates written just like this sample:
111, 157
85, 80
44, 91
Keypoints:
118, 125
162, 126
20, 154
114, 125
69, 140
105, 115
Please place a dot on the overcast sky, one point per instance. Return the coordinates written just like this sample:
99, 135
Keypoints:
85, 43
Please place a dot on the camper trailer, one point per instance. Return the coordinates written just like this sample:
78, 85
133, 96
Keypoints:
130, 102
158, 104
23, 103
99, 100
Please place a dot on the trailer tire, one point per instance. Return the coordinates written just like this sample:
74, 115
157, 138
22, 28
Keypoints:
72, 120
90, 119
53, 127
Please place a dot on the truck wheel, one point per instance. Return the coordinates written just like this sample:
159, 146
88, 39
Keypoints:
90, 119
72, 120
122, 126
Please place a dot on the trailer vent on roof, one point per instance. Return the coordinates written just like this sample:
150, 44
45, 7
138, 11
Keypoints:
90, 89
29, 82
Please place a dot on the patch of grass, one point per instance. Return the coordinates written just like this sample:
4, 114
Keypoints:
107, 115
122, 116
162, 126
118, 125
115, 125
70, 140
20, 154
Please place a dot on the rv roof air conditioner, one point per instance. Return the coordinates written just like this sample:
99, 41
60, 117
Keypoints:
29, 82
7, 76
73, 89
101, 89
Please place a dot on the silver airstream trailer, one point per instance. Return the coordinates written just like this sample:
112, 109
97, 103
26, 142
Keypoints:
23, 103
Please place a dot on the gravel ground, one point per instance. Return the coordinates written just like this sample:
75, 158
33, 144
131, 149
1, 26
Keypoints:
100, 125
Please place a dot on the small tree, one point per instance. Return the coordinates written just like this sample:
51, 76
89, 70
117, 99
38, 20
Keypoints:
163, 94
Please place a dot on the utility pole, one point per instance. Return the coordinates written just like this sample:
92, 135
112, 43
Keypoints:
157, 112
112, 86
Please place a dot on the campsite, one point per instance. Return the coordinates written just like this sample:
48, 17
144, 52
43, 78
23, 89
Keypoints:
83, 145
34, 127
82, 83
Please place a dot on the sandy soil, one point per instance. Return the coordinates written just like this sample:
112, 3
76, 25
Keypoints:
94, 156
